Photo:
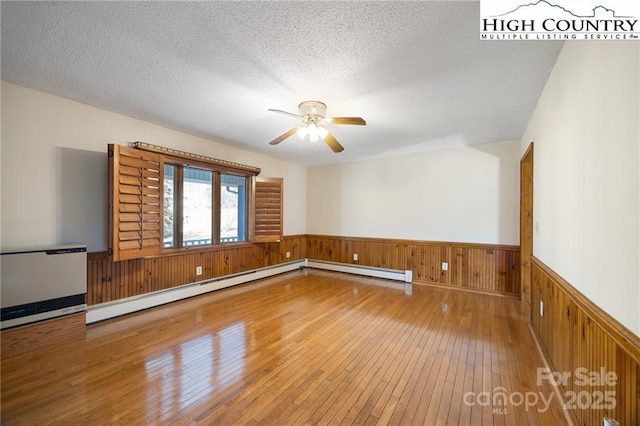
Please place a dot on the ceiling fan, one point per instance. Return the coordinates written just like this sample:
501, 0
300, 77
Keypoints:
313, 116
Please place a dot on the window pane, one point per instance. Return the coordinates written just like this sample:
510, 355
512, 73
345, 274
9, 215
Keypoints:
233, 208
169, 205
197, 207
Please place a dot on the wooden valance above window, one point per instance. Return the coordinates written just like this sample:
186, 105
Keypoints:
222, 165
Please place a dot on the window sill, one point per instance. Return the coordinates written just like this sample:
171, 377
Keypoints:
201, 249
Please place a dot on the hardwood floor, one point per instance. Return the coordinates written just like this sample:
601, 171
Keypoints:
308, 347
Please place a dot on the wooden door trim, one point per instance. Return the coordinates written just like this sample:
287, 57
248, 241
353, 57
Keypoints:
526, 223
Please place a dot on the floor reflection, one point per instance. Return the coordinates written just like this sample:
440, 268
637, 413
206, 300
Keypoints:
200, 367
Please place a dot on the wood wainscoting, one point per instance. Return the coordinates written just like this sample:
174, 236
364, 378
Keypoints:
574, 333
481, 267
109, 281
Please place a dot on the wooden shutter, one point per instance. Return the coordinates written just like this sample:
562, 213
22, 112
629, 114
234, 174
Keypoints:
267, 210
135, 203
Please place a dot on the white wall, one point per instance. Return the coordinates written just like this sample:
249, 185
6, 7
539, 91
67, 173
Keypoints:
466, 194
54, 167
586, 180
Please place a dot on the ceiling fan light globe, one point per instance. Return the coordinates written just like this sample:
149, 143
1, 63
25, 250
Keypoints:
322, 132
313, 132
302, 132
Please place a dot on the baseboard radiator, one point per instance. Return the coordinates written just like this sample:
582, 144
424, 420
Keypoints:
128, 305
369, 271
42, 283
104, 311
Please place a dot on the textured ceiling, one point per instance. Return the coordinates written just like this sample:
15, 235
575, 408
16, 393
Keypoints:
416, 71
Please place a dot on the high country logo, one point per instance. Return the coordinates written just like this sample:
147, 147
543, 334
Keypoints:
543, 20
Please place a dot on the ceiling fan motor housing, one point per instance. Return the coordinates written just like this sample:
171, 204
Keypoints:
312, 108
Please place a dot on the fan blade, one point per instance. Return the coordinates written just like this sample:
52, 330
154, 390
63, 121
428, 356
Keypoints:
358, 121
285, 113
333, 143
283, 136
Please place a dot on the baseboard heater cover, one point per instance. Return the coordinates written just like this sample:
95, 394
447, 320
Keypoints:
390, 274
129, 305
45, 309
42, 283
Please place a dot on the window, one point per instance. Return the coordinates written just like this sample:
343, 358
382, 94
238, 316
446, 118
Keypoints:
233, 208
169, 206
161, 199
188, 206
197, 207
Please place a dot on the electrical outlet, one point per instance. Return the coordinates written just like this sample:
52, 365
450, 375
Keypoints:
355, 256
287, 254
198, 270
445, 266
541, 309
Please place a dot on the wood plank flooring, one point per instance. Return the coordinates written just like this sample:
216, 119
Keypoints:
307, 347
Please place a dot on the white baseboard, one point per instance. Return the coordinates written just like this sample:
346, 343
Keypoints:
114, 309
120, 307
389, 274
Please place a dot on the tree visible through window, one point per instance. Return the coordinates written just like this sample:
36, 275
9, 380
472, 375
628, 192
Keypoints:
169, 205
188, 206
189, 200
197, 207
